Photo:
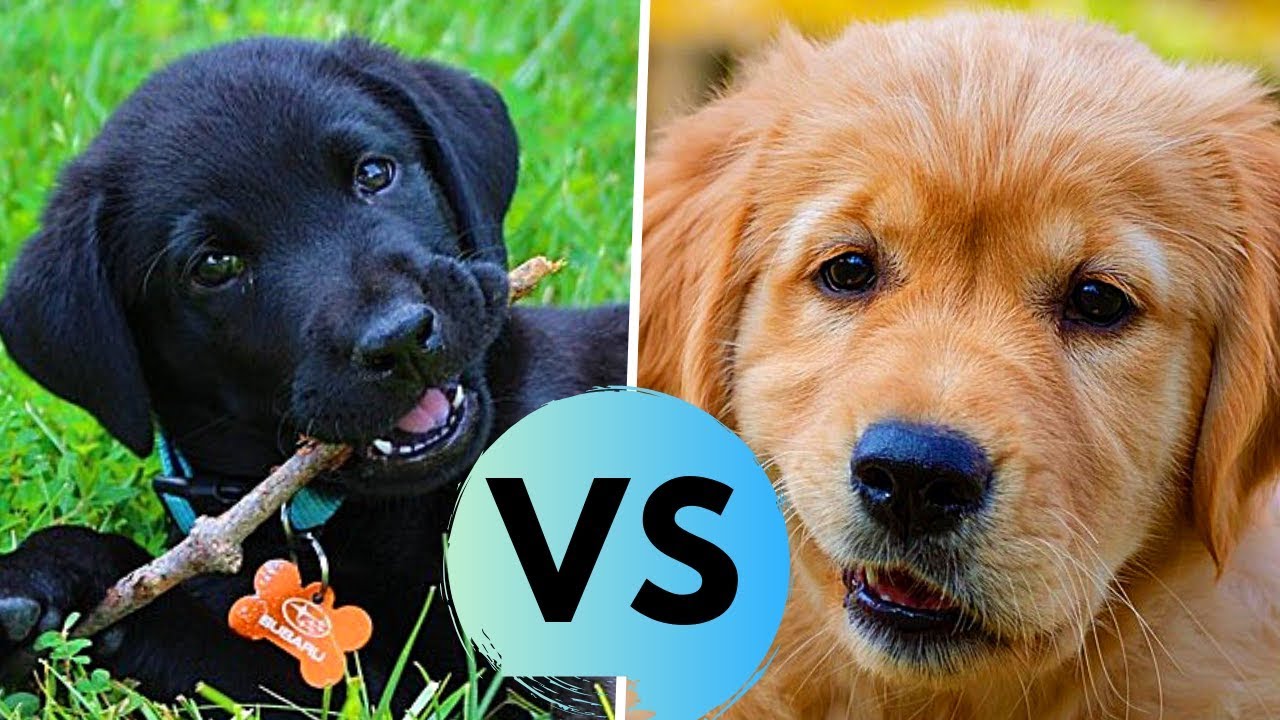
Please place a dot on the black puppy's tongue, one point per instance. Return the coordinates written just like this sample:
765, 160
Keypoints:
431, 412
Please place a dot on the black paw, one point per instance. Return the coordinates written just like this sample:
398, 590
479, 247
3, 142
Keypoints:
22, 620
19, 616
53, 574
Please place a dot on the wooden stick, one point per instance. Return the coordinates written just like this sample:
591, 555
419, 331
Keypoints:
214, 545
525, 278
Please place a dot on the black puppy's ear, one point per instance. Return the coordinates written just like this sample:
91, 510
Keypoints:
467, 134
63, 322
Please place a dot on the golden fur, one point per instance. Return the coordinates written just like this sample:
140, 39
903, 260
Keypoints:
1131, 567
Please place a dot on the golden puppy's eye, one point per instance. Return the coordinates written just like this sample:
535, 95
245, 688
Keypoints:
852, 272
1098, 303
216, 268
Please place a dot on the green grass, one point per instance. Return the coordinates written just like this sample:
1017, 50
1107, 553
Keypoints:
566, 69
67, 687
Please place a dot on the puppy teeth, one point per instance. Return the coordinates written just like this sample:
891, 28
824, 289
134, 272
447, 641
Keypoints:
382, 446
458, 396
873, 578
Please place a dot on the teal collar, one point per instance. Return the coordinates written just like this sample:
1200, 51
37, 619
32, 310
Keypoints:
187, 495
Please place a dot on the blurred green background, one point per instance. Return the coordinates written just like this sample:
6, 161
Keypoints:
567, 71
695, 41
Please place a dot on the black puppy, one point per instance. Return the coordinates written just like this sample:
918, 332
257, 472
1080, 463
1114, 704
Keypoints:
278, 237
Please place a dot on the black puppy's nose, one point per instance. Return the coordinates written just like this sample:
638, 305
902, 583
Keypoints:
919, 479
393, 338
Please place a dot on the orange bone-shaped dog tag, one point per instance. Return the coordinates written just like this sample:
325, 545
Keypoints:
285, 612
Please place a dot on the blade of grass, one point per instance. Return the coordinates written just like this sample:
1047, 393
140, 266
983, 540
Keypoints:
472, 709
353, 708
494, 685
220, 700
388, 692
604, 701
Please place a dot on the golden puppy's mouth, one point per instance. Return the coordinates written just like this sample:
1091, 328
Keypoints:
905, 612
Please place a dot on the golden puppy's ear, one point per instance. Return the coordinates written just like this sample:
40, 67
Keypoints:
695, 211
1239, 445
695, 268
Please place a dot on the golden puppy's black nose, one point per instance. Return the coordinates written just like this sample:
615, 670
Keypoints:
392, 339
919, 479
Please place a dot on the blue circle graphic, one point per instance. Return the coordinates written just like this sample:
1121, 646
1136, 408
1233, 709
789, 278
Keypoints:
708, 644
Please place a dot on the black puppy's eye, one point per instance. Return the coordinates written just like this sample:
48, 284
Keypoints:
1098, 303
213, 269
852, 272
374, 174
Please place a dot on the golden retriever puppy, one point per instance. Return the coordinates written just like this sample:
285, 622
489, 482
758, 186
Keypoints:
996, 300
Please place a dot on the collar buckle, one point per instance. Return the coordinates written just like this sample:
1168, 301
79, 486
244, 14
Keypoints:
217, 491
187, 495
